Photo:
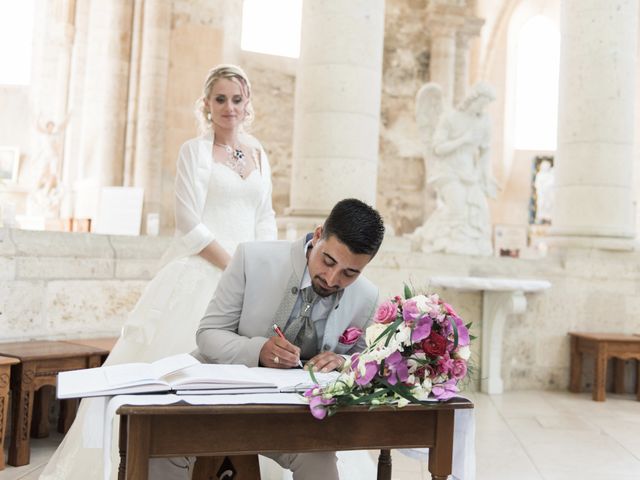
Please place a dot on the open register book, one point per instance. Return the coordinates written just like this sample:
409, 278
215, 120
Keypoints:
182, 374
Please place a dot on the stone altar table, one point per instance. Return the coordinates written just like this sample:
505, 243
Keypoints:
500, 297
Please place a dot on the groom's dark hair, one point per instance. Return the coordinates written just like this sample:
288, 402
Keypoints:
355, 224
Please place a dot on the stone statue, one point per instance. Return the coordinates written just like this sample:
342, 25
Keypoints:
543, 184
458, 167
45, 199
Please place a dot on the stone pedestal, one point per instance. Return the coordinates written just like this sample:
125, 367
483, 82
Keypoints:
337, 107
501, 297
594, 166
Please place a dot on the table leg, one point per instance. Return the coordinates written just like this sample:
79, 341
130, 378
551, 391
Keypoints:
4, 407
441, 455
122, 447
22, 405
638, 380
68, 410
618, 375
600, 379
384, 465
40, 415
575, 382
138, 440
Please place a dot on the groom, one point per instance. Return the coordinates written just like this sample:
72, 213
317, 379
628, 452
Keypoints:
312, 289
279, 282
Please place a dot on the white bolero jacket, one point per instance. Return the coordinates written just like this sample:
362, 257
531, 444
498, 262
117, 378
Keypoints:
192, 179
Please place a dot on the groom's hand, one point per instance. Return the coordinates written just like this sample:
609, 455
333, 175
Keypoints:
325, 362
279, 353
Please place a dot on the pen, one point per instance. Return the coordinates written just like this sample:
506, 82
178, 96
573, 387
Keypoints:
276, 329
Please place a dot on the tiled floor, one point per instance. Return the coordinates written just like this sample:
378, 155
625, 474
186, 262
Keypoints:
519, 436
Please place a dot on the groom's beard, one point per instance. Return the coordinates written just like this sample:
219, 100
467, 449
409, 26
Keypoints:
321, 288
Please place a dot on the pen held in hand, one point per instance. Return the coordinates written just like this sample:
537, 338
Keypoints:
281, 335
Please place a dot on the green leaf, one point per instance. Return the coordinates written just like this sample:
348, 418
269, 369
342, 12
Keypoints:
455, 332
468, 325
472, 337
407, 292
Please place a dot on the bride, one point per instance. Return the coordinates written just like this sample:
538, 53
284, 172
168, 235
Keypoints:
222, 197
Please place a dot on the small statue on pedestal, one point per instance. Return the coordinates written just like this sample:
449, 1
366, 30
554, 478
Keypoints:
458, 167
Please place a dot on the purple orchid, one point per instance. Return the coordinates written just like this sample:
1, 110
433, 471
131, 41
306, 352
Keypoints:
446, 390
317, 403
370, 370
397, 368
410, 311
463, 332
422, 329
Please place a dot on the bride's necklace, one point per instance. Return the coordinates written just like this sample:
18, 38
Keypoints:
235, 159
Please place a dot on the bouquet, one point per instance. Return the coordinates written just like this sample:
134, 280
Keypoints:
417, 351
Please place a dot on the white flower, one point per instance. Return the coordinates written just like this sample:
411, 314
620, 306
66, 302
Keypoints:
422, 391
463, 352
402, 402
402, 338
373, 332
422, 303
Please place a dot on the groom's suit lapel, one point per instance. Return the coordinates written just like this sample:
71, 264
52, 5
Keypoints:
290, 294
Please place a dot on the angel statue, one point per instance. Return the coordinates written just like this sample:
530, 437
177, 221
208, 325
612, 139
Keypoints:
458, 167
46, 197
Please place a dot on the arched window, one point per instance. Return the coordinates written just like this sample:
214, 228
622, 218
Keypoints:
16, 38
536, 89
272, 27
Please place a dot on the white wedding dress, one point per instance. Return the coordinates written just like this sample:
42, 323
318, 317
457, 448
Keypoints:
165, 319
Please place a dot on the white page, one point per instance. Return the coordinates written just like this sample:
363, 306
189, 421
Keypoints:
128, 374
214, 374
171, 364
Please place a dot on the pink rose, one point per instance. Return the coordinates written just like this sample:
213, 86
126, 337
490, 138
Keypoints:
386, 312
459, 369
350, 336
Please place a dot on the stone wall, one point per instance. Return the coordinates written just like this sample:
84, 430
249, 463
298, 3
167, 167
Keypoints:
59, 285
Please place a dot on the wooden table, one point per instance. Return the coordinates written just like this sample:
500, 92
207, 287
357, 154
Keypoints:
40, 363
603, 346
5, 375
103, 343
216, 430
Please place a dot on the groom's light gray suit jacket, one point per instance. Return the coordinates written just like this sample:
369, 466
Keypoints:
251, 297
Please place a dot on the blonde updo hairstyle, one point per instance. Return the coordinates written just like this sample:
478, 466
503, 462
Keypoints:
231, 72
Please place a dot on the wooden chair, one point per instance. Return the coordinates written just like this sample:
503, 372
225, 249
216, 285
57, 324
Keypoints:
5, 375
39, 364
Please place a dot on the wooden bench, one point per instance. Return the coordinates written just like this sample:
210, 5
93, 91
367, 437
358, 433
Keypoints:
5, 375
603, 346
39, 364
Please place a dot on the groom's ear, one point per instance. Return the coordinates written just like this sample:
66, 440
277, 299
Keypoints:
317, 235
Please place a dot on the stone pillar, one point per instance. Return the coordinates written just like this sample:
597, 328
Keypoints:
594, 166
470, 30
72, 164
152, 91
105, 91
337, 107
443, 22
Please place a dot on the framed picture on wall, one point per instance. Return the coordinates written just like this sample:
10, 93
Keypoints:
9, 160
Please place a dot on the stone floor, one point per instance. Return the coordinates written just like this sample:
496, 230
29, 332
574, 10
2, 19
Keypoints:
520, 436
